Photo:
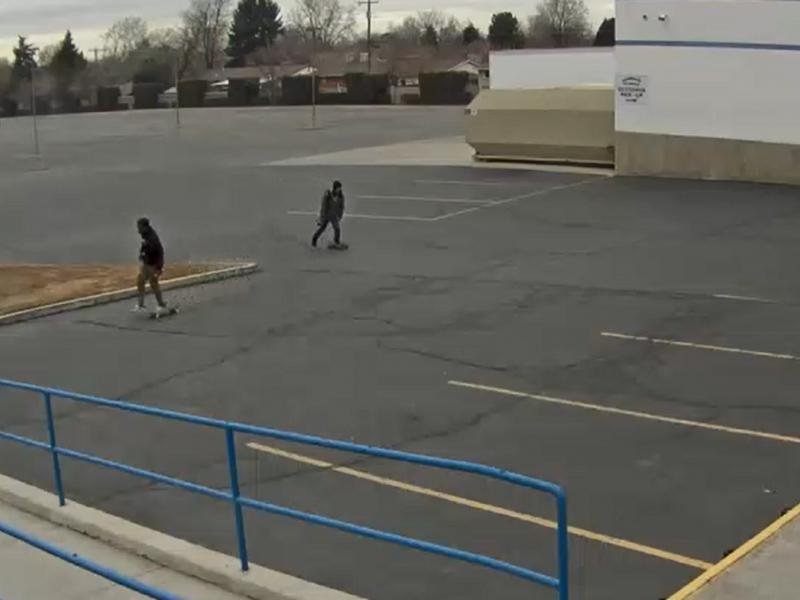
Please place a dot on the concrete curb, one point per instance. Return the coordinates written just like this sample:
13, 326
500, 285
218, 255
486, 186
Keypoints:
229, 272
694, 587
178, 555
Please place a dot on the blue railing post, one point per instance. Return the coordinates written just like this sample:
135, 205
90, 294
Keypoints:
563, 546
235, 494
51, 433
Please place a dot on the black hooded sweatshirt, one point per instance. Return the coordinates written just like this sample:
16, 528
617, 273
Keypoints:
151, 252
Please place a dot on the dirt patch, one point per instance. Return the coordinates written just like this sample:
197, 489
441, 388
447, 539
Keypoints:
29, 286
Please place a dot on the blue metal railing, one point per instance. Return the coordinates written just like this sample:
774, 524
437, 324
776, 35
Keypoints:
88, 565
561, 583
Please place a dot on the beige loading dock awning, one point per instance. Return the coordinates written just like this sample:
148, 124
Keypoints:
563, 125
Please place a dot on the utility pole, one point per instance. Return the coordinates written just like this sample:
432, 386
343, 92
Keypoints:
313, 61
368, 4
33, 113
177, 78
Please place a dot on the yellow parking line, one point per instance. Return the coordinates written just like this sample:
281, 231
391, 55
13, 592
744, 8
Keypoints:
474, 504
691, 588
638, 338
776, 437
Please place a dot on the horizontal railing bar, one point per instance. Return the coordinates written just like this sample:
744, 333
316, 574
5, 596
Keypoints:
395, 455
117, 404
24, 440
393, 538
87, 565
302, 516
420, 459
110, 464
178, 483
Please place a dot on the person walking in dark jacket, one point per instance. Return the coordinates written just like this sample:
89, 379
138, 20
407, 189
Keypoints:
151, 264
331, 213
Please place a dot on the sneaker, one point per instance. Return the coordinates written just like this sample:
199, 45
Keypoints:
138, 309
162, 310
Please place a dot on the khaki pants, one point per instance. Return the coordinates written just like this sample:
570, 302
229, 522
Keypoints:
149, 274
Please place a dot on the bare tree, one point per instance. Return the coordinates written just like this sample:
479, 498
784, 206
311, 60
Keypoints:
328, 22
205, 28
452, 31
125, 36
431, 18
178, 47
447, 28
409, 30
561, 23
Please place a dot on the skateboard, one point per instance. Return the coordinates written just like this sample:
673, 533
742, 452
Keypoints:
171, 311
333, 246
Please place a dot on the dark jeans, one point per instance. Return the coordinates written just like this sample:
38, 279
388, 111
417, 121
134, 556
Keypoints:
323, 225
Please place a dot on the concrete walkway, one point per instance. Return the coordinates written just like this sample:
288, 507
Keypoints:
27, 573
172, 565
441, 152
766, 568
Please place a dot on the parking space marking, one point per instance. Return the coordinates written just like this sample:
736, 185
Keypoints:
743, 298
678, 343
527, 196
481, 183
480, 204
423, 199
775, 437
489, 508
303, 213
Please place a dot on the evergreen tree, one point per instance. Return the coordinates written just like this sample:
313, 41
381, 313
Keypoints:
470, 35
256, 24
430, 37
605, 34
505, 32
24, 62
67, 63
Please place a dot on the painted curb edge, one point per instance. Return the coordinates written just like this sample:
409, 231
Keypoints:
229, 272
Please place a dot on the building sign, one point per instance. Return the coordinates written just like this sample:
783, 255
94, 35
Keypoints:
332, 85
632, 89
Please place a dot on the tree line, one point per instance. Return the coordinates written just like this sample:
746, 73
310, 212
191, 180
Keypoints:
213, 33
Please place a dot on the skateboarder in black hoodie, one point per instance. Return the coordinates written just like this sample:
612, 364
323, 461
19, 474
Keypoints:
331, 213
151, 265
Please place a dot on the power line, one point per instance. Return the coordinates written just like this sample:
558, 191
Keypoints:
97, 52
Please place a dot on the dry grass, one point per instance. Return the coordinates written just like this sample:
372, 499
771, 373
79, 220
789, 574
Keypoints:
28, 286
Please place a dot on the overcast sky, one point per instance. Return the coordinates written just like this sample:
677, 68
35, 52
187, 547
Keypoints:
45, 21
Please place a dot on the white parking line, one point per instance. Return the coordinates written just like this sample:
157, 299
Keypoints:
302, 213
743, 298
484, 183
481, 205
518, 198
713, 348
424, 199
612, 410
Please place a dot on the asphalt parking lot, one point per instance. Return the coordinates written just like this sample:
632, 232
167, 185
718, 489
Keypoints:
632, 340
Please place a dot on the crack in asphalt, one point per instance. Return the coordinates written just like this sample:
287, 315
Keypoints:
442, 357
176, 332
249, 480
592, 289
503, 406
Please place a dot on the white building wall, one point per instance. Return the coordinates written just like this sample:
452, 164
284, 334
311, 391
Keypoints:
742, 90
539, 69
